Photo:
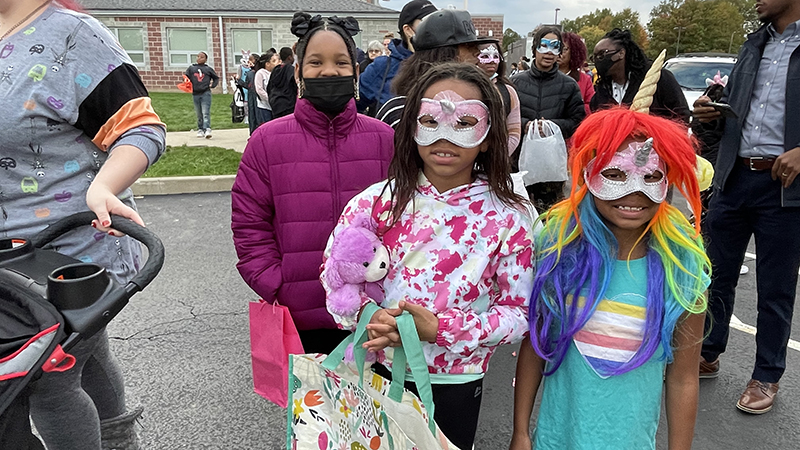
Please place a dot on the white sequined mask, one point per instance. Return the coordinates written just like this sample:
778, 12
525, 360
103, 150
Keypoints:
449, 116
637, 161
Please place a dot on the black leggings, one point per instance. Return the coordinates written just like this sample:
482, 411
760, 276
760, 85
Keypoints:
457, 407
323, 340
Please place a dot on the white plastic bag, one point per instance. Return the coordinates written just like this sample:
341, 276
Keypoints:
519, 189
543, 155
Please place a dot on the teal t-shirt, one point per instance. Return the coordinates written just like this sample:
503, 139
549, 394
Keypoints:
584, 408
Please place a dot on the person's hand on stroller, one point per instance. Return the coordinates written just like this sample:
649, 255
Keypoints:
123, 166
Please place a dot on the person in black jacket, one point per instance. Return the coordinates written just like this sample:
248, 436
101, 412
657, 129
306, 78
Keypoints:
757, 193
203, 79
282, 88
546, 93
621, 66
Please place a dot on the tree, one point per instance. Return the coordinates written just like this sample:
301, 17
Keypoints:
591, 35
591, 27
705, 26
510, 36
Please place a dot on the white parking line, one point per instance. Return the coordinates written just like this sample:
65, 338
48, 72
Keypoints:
749, 329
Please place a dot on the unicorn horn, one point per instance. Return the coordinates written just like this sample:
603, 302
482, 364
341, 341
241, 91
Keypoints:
644, 98
643, 154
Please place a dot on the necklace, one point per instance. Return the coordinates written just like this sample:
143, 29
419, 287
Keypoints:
11, 30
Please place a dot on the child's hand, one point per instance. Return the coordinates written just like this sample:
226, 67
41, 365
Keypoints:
382, 330
427, 323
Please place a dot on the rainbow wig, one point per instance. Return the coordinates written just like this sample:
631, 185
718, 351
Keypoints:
578, 250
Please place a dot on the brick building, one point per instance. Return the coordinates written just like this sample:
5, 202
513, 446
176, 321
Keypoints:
163, 36
489, 25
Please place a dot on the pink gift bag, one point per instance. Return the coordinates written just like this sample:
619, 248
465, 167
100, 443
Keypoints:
273, 337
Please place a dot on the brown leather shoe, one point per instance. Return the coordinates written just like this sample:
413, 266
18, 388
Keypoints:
709, 369
758, 397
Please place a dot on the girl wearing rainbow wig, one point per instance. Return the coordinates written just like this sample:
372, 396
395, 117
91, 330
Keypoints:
619, 294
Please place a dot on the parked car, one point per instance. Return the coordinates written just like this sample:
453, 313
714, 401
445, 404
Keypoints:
692, 69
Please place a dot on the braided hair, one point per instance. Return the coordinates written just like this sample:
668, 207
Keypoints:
636, 63
304, 27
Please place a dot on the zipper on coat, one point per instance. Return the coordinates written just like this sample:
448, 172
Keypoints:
334, 172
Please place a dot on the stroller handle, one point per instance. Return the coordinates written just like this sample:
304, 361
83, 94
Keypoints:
155, 247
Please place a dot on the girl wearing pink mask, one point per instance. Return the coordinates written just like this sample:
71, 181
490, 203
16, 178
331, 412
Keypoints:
459, 240
491, 61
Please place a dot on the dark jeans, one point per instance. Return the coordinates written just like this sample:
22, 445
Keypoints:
322, 340
751, 207
457, 407
202, 107
262, 116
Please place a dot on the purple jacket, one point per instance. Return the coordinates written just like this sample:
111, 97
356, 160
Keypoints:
297, 174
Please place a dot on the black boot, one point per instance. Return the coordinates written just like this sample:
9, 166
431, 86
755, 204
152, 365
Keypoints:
119, 433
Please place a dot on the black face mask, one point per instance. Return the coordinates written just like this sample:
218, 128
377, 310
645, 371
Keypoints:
604, 66
329, 94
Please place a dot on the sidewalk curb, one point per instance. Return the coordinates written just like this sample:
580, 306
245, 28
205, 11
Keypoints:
182, 185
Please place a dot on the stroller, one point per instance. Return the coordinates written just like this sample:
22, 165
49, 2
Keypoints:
48, 303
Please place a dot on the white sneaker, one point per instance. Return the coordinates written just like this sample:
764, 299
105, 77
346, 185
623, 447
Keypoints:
201, 133
208, 133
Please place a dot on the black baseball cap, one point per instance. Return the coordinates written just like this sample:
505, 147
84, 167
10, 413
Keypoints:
447, 27
413, 10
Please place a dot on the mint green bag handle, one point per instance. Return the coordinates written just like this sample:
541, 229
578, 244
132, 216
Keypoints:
409, 354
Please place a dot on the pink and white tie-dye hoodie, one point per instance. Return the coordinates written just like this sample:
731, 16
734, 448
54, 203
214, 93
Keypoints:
465, 256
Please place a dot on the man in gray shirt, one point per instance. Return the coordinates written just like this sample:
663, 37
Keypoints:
757, 193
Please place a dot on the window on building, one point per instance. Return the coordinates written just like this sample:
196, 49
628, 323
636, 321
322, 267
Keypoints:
184, 44
256, 41
132, 40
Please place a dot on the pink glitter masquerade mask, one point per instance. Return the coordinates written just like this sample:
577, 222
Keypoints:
448, 116
636, 161
489, 55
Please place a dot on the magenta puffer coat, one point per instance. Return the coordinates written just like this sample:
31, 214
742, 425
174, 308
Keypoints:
297, 174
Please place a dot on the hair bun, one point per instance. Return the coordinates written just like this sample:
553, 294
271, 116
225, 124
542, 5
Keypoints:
302, 23
348, 24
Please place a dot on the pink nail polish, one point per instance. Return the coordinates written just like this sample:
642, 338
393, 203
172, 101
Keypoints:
106, 223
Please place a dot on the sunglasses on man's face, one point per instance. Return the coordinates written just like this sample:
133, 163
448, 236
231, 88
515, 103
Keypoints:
549, 46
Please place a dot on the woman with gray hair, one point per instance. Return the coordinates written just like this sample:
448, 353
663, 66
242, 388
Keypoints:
374, 49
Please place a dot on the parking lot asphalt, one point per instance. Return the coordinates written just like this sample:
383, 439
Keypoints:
184, 347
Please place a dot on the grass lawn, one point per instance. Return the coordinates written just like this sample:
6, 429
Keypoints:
176, 109
187, 161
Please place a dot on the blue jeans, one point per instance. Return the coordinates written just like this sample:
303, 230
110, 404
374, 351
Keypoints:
263, 116
202, 107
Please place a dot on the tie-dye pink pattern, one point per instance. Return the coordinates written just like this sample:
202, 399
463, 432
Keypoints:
466, 257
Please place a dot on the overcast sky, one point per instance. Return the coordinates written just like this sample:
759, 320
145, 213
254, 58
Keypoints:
524, 15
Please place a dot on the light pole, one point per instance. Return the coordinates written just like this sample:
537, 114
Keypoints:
678, 44
556, 20
730, 45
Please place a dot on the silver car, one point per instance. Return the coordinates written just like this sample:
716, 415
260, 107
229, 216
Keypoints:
692, 69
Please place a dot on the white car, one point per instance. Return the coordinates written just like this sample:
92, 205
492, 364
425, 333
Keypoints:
692, 69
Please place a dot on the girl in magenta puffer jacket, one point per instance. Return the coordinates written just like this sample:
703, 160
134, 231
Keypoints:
297, 174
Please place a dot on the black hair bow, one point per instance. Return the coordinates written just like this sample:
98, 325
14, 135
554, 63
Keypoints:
348, 24
302, 23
